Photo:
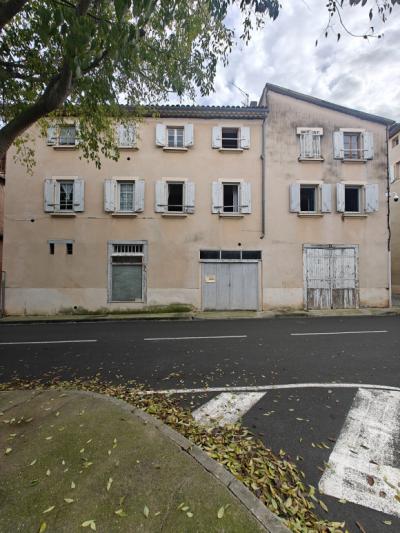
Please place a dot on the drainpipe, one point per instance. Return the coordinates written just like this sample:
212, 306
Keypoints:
262, 157
388, 218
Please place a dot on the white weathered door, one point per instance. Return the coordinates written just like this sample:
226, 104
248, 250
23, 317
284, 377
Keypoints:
230, 286
330, 277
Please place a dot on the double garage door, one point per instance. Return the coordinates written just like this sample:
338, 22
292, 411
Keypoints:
230, 285
330, 277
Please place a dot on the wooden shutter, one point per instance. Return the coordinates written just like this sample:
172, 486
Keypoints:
245, 137
190, 191
217, 137
392, 175
326, 198
52, 135
110, 189
294, 193
306, 145
245, 197
371, 198
79, 195
340, 197
161, 199
49, 195
126, 135
139, 195
160, 135
368, 142
188, 135
77, 133
338, 145
217, 197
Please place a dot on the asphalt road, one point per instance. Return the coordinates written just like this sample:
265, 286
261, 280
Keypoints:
246, 354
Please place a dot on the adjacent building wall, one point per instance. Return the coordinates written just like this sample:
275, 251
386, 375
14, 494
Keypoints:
394, 157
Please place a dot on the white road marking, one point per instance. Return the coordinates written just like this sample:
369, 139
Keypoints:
190, 338
49, 342
362, 466
265, 388
339, 333
226, 408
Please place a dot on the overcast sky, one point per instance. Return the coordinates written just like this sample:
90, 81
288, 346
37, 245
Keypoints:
353, 72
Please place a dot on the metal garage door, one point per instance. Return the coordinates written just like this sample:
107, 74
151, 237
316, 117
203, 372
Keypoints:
330, 277
230, 286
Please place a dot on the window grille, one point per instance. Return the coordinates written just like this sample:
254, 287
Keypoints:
128, 249
230, 254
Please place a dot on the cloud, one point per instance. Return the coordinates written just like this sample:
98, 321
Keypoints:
353, 71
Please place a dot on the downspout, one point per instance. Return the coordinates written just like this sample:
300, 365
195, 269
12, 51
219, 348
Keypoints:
262, 157
388, 218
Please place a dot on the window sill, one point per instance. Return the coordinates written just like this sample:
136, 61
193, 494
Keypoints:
121, 214
127, 148
235, 150
318, 215
231, 215
311, 159
174, 215
344, 160
62, 214
174, 149
354, 215
65, 147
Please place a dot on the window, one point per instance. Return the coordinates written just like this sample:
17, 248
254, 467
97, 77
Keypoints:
230, 254
352, 146
69, 248
3, 166
126, 191
231, 197
51, 248
308, 198
127, 272
67, 136
175, 136
175, 197
395, 141
397, 170
126, 135
230, 138
66, 195
352, 199
310, 143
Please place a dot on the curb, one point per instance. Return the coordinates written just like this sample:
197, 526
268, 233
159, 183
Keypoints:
367, 312
271, 522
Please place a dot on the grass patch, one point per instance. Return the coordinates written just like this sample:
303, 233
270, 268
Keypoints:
272, 477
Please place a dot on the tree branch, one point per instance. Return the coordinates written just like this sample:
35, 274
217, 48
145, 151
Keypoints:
9, 9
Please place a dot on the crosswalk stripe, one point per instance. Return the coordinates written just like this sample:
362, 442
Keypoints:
226, 408
363, 465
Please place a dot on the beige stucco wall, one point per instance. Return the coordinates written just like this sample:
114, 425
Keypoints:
394, 157
40, 283
287, 232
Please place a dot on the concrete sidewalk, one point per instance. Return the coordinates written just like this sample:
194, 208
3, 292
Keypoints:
203, 315
73, 461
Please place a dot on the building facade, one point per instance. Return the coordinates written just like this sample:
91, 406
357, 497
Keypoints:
394, 166
277, 205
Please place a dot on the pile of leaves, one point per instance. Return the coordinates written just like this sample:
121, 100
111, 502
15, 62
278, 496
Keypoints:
273, 478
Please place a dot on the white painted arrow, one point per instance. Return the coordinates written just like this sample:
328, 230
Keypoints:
364, 464
226, 408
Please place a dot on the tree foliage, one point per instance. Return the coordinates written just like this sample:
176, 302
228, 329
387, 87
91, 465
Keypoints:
59, 57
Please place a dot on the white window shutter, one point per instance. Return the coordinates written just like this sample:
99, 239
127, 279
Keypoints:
79, 195
188, 135
217, 137
245, 137
294, 197
371, 198
340, 197
338, 145
160, 135
392, 176
52, 135
368, 139
110, 189
49, 195
306, 145
245, 197
161, 199
190, 191
217, 197
326, 198
126, 135
77, 133
139, 196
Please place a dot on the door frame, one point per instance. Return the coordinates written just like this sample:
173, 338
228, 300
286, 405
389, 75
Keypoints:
355, 247
110, 248
259, 277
